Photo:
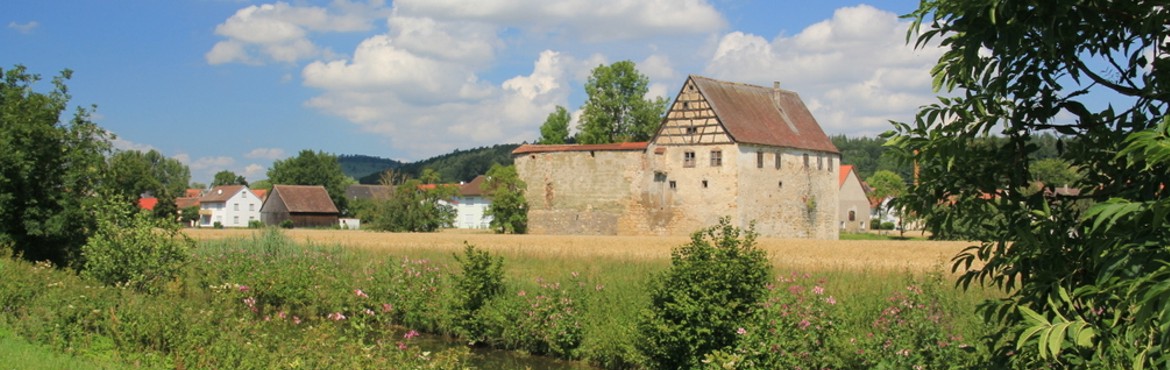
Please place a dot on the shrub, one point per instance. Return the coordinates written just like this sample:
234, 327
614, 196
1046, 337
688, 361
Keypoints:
709, 292
255, 224
875, 224
482, 279
134, 249
286, 224
217, 225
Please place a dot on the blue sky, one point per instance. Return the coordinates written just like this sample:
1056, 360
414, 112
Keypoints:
237, 84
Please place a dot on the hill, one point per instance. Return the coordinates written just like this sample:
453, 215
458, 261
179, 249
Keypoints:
460, 165
359, 166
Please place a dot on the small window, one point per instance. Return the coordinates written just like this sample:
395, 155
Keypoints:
673, 184
236, 207
806, 161
780, 184
692, 130
251, 207
759, 159
686, 105
704, 184
688, 159
777, 160
852, 216
830, 164
659, 176
716, 158
820, 162
235, 220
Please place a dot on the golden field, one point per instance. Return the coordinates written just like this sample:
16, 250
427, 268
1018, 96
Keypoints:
790, 254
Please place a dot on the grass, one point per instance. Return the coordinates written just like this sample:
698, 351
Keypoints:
19, 353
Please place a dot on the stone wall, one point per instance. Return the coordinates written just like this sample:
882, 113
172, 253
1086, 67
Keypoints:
578, 192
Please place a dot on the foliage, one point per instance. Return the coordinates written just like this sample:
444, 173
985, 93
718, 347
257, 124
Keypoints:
710, 290
189, 215
509, 208
131, 249
868, 155
616, 109
313, 168
555, 129
261, 185
133, 173
482, 280
359, 166
456, 166
226, 177
885, 184
415, 207
286, 224
50, 169
1053, 172
1085, 288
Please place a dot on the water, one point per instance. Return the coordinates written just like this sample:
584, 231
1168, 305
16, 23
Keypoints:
488, 358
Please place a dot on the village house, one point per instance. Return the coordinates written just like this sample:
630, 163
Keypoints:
855, 212
471, 206
751, 153
304, 205
229, 206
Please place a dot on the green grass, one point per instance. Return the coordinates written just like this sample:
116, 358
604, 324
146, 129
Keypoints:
19, 353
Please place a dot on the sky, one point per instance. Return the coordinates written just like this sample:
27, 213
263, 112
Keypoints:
235, 85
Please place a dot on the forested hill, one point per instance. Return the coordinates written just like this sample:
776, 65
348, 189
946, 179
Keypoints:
358, 166
460, 165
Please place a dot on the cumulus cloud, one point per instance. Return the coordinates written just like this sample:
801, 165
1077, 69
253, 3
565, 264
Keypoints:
280, 32
123, 144
255, 171
265, 153
854, 71
24, 28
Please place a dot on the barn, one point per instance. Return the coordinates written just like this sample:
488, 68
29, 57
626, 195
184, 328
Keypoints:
305, 205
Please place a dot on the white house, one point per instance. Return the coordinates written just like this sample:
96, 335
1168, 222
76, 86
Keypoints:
854, 211
471, 206
230, 206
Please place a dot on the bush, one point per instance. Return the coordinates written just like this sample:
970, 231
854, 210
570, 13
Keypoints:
286, 224
875, 224
217, 225
709, 292
482, 280
255, 224
887, 225
134, 249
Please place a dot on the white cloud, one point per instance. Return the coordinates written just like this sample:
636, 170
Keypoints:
280, 32
854, 71
123, 144
265, 153
24, 28
255, 172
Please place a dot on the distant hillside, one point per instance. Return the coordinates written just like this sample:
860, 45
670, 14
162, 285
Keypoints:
460, 165
359, 166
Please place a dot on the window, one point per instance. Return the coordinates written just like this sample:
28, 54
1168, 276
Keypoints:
235, 206
235, 220
673, 184
852, 216
777, 160
688, 159
820, 162
251, 207
830, 164
704, 184
692, 130
806, 161
780, 184
716, 158
686, 105
659, 176
759, 159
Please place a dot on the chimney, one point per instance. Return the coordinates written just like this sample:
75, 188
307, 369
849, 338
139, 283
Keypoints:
776, 92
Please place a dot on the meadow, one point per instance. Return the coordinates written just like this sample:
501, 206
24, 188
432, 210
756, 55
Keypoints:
276, 299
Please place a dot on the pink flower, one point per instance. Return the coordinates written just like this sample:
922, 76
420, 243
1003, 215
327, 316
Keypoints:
521, 293
386, 307
281, 315
296, 320
741, 331
401, 346
831, 300
368, 312
360, 293
804, 324
818, 290
244, 288
336, 316
410, 334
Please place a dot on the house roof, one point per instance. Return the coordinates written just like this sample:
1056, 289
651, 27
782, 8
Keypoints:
147, 203
304, 198
222, 193
538, 148
260, 193
844, 174
766, 116
471, 189
358, 191
185, 202
193, 193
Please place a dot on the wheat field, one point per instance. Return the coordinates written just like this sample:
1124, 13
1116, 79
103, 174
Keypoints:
790, 254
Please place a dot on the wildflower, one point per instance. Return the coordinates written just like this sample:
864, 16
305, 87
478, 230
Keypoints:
337, 316
818, 290
599, 287
401, 346
574, 274
244, 288
360, 293
804, 324
410, 334
831, 300
296, 320
281, 315
386, 307
368, 312
741, 331
521, 293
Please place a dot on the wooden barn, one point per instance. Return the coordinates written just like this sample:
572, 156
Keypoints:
305, 205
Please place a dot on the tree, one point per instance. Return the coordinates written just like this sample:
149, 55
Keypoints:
1083, 287
313, 168
885, 184
133, 173
1053, 172
509, 209
226, 177
555, 129
415, 207
616, 109
50, 169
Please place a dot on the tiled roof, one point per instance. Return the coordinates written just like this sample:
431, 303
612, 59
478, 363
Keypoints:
471, 189
537, 148
147, 203
193, 193
766, 116
305, 198
185, 202
222, 193
260, 193
845, 169
358, 191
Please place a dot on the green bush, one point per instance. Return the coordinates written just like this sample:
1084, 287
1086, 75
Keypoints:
255, 224
713, 285
286, 224
217, 225
133, 249
875, 224
482, 279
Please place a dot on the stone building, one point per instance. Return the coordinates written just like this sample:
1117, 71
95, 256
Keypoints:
752, 153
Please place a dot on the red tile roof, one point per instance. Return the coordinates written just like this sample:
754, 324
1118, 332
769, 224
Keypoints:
537, 148
193, 193
845, 169
260, 193
147, 203
305, 198
222, 193
185, 202
471, 189
766, 116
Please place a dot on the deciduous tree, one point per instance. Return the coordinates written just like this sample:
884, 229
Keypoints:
617, 109
555, 129
1083, 288
51, 167
226, 177
313, 168
509, 209
134, 173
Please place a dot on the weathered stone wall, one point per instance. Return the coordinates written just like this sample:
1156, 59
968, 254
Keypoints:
792, 201
677, 199
578, 192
